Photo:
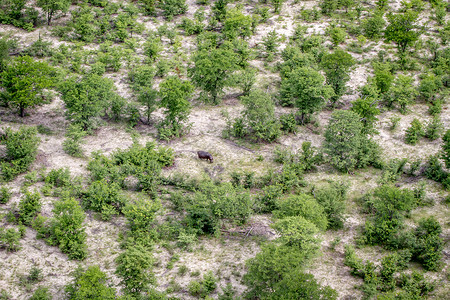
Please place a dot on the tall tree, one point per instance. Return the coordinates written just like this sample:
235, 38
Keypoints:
306, 89
212, 70
337, 67
23, 81
50, 7
402, 29
174, 94
86, 98
346, 144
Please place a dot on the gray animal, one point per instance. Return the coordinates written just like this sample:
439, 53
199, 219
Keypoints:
205, 155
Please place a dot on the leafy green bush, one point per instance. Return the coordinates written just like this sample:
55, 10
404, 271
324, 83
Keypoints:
269, 197
373, 26
298, 283
332, 198
141, 216
346, 145
104, 197
10, 239
68, 218
434, 129
29, 206
401, 93
41, 293
299, 233
215, 203
91, 283
87, 98
302, 205
21, 149
388, 206
414, 132
58, 177
429, 245
269, 267
446, 148
259, 117
203, 288
434, 171
288, 123
5, 195
172, 8
134, 268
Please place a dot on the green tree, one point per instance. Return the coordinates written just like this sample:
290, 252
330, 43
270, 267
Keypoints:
173, 8
402, 92
23, 81
402, 29
29, 206
277, 5
133, 267
259, 115
87, 98
299, 233
347, 146
306, 89
299, 285
332, 198
52, 6
21, 149
366, 108
373, 26
237, 24
337, 66
67, 230
4, 53
269, 267
414, 132
91, 283
383, 77
147, 96
11, 9
446, 148
302, 205
174, 94
212, 70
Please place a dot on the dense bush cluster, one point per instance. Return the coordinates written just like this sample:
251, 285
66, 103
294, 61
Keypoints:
21, 149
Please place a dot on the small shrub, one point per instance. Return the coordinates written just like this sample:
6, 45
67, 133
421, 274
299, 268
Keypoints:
134, 268
10, 239
105, 198
394, 122
302, 205
41, 293
195, 288
59, 177
288, 123
68, 217
141, 217
73, 141
332, 198
434, 129
209, 283
21, 149
429, 245
91, 283
5, 195
414, 132
29, 206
